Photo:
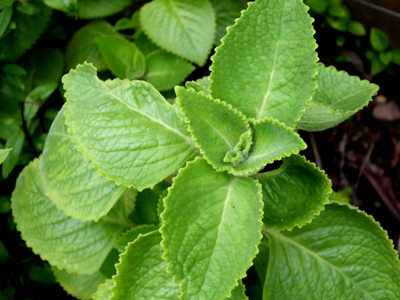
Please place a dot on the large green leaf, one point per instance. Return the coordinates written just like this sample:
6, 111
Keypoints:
66, 243
342, 254
143, 145
211, 229
165, 70
70, 182
142, 272
337, 97
294, 193
79, 286
123, 58
183, 27
89, 9
83, 46
265, 66
28, 30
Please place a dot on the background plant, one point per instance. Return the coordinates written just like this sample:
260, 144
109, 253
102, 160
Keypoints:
94, 43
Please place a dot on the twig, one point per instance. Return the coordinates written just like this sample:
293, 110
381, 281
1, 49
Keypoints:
318, 161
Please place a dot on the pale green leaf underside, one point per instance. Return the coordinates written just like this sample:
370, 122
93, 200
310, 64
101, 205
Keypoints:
89, 9
294, 193
142, 274
337, 97
165, 70
131, 235
66, 243
104, 291
83, 45
122, 57
341, 255
79, 286
145, 143
183, 27
4, 154
211, 225
70, 182
265, 66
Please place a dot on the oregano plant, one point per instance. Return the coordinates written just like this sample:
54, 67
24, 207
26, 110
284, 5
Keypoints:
137, 198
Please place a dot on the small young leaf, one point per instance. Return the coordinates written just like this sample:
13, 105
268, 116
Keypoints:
90, 9
146, 143
131, 235
79, 286
165, 70
36, 98
69, 6
83, 46
338, 24
104, 291
377, 65
141, 273
357, 28
238, 293
28, 29
379, 40
28, 8
337, 97
122, 57
125, 23
386, 57
5, 18
319, 6
338, 10
145, 44
183, 27
3, 154
294, 193
343, 254
278, 48
396, 56
65, 243
211, 229
13, 69
16, 141
70, 182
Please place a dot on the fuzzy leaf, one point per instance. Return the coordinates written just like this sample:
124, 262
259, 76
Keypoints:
165, 70
79, 286
70, 182
83, 45
104, 291
211, 229
131, 235
294, 193
141, 273
3, 154
342, 254
122, 57
183, 27
66, 243
337, 97
274, 40
238, 293
89, 9
28, 30
146, 143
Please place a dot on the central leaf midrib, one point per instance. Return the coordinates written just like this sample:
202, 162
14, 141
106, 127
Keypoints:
294, 243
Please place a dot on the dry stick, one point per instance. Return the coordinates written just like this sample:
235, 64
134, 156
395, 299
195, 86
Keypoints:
342, 149
364, 164
315, 151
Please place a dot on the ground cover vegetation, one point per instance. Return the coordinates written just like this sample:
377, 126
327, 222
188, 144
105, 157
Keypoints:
162, 168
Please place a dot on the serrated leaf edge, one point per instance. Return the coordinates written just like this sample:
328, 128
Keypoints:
165, 255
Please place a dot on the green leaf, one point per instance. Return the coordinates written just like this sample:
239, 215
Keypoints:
3, 154
79, 286
83, 46
132, 235
238, 293
386, 57
6, 3
201, 85
342, 195
28, 8
28, 29
396, 56
16, 141
211, 229
36, 98
65, 243
278, 48
225, 14
69, 6
4, 256
378, 39
5, 204
122, 57
119, 148
377, 65
70, 182
337, 97
89, 9
294, 193
13, 69
261, 260
165, 70
145, 44
357, 28
125, 23
338, 24
141, 273
182, 27
5, 18
338, 10
342, 254
104, 291
319, 6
